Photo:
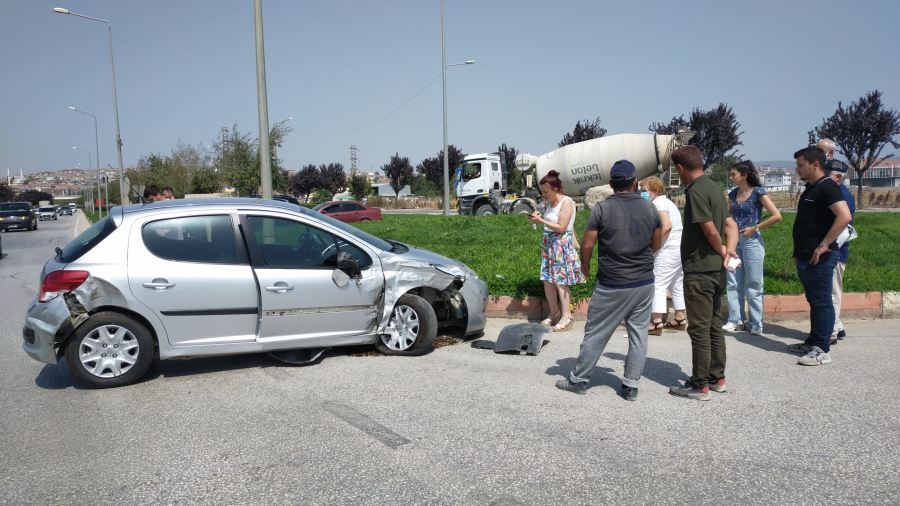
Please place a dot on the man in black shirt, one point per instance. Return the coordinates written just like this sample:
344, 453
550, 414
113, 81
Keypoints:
822, 214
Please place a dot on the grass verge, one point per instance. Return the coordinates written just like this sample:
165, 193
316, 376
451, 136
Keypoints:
505, 250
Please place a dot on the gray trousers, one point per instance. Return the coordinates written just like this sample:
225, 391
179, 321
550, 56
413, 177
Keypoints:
609, 307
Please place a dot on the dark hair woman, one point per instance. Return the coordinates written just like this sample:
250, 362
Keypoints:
560, 265
745, 285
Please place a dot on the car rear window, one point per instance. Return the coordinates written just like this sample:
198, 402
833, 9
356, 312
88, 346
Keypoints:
86, 240
205, 239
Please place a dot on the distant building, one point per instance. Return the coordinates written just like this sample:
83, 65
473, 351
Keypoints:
883, 175
385, 190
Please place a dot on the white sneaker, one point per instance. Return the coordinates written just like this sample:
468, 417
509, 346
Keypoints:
815, 357
733, 327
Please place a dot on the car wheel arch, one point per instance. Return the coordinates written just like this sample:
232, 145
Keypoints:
68, 331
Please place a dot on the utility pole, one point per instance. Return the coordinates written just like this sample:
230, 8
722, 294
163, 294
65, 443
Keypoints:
354, 158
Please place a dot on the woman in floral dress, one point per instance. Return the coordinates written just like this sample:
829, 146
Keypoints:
560, 265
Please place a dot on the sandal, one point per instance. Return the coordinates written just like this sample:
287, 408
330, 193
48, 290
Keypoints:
656, 328
547, 322
559, 327
677, 324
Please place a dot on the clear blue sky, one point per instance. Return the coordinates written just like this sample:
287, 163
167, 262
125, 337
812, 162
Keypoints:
186, 68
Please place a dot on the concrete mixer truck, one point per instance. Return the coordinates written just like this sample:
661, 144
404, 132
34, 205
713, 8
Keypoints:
482, 180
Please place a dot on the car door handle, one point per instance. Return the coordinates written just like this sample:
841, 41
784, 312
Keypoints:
280, 287
158, 284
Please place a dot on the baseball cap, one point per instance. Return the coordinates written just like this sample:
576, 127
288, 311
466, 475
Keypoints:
623, 170
836, 166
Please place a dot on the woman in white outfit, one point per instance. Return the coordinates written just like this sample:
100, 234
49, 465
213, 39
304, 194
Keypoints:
560, 265
667, 261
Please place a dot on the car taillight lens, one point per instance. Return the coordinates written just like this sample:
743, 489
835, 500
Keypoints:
59, 282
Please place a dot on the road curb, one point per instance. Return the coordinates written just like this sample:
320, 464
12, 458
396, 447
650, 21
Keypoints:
776, 307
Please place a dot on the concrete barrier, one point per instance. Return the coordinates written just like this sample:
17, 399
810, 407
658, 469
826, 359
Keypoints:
776, 307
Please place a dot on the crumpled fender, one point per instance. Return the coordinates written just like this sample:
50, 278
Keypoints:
401, 276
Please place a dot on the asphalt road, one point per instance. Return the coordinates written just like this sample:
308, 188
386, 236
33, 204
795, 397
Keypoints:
459, 426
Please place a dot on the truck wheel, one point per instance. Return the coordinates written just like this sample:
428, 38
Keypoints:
522, 208
411, 329
484, 210
109, 350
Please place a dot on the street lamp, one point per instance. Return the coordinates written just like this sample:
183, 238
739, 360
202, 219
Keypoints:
122, 190
96, 138
444, 76
91, 164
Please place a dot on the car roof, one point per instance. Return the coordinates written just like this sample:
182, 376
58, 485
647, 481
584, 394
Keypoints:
229, 202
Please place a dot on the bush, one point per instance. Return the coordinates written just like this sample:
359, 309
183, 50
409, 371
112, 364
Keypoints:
320, 195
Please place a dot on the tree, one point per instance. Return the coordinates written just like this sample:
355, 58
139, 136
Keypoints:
861, 132
420, 185
321, 195
334, 179
34, 196
277, 134
238, 162
584, 130
6, 193
433, 167
399, 171
715, 131
508, 155
205, 180
359, 185
307, 180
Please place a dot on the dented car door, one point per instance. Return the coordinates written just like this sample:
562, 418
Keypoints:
301, 295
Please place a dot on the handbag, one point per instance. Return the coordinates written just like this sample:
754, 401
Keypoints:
847, 235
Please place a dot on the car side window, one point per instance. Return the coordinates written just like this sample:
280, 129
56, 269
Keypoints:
288, 244
350, 206
206, 239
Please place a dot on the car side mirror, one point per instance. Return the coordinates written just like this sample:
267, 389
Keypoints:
349, 265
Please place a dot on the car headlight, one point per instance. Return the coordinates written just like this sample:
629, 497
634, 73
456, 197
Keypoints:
453, 270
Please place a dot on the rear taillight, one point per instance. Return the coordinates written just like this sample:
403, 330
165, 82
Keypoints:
59, 282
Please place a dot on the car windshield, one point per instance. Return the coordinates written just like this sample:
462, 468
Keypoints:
320, 206
14, 206
355, 232
471, 170
48, 209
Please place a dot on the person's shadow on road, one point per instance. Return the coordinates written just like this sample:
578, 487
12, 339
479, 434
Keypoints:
602, 375
658, 371
768, 344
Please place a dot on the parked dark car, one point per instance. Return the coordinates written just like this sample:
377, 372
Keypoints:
17, 216
349, 210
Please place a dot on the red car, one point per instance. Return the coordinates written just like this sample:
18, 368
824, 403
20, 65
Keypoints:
349, 210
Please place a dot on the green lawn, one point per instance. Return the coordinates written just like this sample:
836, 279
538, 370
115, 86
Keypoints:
505, 250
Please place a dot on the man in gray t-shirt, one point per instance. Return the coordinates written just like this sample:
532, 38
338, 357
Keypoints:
626, 230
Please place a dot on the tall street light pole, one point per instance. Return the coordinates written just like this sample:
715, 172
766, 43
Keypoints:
122, 183
90, 164
444, 67
96, 137
265, 160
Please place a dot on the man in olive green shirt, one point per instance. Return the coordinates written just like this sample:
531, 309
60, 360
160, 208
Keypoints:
703, 257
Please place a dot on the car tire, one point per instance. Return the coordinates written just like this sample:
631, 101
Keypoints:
484, 210
411, 329
522, 208
109, 331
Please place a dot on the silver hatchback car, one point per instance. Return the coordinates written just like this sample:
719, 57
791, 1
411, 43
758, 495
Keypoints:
190, 278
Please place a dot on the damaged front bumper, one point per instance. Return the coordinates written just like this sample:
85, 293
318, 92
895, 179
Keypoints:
475, 293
